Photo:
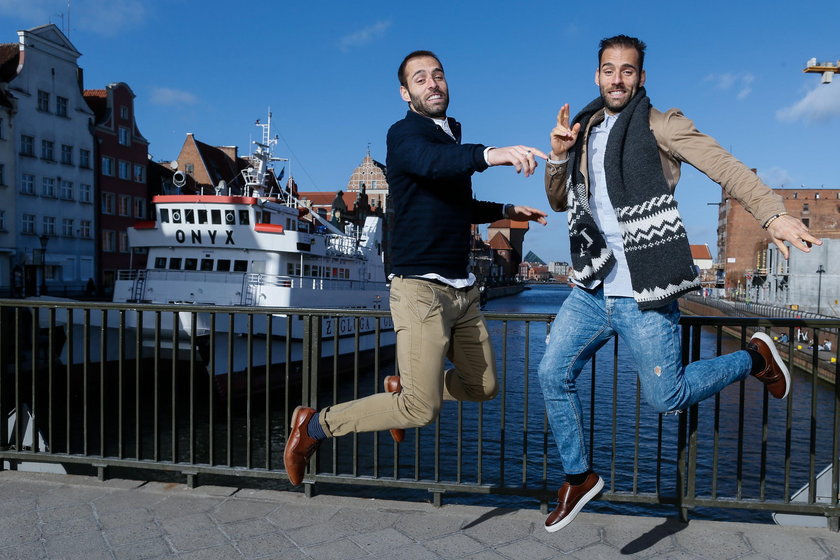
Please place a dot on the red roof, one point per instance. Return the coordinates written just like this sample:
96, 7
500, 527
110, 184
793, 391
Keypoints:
701, 252
512, 224
500, 243
320, 198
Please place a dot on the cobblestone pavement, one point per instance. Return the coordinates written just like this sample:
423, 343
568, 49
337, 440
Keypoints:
69, 517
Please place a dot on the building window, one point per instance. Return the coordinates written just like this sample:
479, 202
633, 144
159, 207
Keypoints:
67, 154
27, 224
107, 166
85, 193
27, 145
47, 150
2, 220
84, 159
67, 227
124, 205
43, 101
48, 187
807, 222
109, 240
805, 208
124, 112
66, 191
189, 169
61, 106
27, 184
2, 129
139, 173
796, 195
123, 242
107, 203
2, 174
124, 137
123, 169
140, 208
84, 229
816, 196
49, 225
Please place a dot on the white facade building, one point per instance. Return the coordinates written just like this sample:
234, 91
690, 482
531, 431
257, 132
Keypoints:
54, 175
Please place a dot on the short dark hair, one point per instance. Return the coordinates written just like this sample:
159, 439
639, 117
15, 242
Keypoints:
415, 54
626, 42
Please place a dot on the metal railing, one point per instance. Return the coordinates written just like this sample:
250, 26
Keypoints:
207, 390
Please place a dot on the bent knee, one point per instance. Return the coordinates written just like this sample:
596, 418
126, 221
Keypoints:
419, 414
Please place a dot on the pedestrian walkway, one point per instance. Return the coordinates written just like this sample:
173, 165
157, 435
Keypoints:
68, 517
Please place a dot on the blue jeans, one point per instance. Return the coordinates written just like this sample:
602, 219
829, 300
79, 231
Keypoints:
585, 322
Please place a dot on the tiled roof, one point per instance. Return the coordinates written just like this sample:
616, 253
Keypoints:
700, 252
9, 60
500, 243
320, 198
512, 224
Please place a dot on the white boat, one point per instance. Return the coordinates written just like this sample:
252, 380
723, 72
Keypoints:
259, 247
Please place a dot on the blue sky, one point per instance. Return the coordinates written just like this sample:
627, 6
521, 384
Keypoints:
328, 71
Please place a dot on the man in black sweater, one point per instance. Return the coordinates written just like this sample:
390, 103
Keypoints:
434, 300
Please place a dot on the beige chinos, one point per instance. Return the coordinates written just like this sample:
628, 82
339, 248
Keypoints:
432, 321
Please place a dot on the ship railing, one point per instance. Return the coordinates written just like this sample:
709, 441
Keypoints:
740, 453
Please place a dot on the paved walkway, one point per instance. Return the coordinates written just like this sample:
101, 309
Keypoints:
68, 517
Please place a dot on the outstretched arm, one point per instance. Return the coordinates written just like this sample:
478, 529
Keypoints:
527, 214
787, 228
521, 157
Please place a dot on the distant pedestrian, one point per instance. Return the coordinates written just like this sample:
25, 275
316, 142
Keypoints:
434, 297
614, 170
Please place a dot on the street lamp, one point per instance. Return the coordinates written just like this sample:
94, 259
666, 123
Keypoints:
44, 240
820, 271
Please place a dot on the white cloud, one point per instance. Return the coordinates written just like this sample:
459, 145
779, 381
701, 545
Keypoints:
776, 177
364, 36
728, 80
103, 17
169, 96
821, 104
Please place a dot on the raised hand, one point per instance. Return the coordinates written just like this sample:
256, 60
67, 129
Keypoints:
521, 157
563, 137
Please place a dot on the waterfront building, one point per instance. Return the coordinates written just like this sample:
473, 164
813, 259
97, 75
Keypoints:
53, 164
742, 243
798, 283
121, 160
8, 282
369, 177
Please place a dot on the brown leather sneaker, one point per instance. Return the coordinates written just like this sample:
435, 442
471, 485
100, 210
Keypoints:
300, 446
392, 385
775, 375
571, 500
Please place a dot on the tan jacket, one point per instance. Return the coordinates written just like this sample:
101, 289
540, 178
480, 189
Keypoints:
679, 141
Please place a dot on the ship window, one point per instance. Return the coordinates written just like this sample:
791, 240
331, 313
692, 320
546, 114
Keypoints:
266, 217
176, 216
244, 217
240, 265
190, 264
189, 216
223, 265
290, 269
175, 263
202, 216
164, 215
327, 272
207, 264
160, 262
230, 217
216, 216
307, 270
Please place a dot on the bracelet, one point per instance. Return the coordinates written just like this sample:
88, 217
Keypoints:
772, 218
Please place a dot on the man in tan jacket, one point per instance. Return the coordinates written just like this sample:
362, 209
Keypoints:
614, 169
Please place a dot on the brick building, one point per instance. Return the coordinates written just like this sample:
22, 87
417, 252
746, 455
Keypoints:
742, 243
370, 174
121, 160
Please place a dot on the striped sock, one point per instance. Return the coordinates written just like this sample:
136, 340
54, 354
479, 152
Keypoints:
314, 428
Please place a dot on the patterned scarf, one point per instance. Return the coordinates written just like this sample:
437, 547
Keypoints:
655, 241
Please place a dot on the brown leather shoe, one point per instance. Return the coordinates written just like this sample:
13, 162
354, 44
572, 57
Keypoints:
300, 446
392, 385
775, 375
571, 500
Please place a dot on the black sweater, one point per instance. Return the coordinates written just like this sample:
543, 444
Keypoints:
431, 195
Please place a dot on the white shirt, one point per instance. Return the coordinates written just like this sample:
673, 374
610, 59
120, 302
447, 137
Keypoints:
617, 283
